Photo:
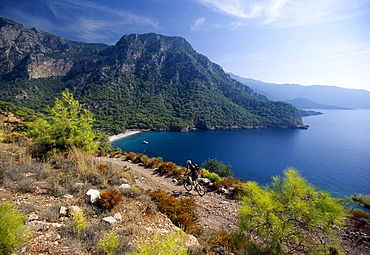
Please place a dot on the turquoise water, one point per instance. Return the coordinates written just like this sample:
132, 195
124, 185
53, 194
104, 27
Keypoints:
332, 154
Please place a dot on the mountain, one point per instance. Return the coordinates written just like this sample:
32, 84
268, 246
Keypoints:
146, 81
327, 97
304, 103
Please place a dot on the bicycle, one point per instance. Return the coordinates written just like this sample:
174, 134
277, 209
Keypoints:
199, 187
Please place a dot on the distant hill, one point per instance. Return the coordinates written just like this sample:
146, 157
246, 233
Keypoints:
304, 103
315, 96
147, 81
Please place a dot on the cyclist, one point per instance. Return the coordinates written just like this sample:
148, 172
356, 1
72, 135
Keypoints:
193, 169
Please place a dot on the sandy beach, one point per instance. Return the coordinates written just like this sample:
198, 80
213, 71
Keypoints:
122, 135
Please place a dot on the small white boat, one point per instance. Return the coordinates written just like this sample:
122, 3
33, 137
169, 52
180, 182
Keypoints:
145, 142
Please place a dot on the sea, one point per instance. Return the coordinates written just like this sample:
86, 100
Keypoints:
332, 154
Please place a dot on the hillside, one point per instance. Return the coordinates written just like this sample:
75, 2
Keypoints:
43, 190
326, 97
146, 81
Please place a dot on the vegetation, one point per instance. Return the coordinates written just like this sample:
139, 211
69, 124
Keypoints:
66, 126
180, 211
218, 167
13, 232
290, 216
174, 243
185, 90
109, 199
109, 243
79, 222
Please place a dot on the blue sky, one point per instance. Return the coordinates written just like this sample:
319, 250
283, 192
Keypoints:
323, 42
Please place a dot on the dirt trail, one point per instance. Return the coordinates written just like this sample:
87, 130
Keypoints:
215, 211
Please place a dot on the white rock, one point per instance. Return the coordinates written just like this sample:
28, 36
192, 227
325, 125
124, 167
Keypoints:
117, 216
62, 211
125, 186
93, 194
110, 220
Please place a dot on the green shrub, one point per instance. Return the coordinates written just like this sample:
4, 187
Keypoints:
213, 177
1, 135
290, 215
218, 167
79, 222
174, 243
109, 243
66, 125
13, 232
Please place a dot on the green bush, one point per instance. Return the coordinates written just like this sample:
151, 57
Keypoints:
13, 232
290, 216
213, 177
67, 125
218, 167
109, 243
174, 243
79, 222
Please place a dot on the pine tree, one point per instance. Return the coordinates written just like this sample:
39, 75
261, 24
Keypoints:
66, 125
290, 216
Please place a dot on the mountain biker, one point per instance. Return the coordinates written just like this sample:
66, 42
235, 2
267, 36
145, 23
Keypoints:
193, 169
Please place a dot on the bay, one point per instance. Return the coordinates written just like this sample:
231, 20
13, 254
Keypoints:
333, 154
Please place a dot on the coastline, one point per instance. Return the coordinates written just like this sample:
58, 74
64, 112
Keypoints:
122, 135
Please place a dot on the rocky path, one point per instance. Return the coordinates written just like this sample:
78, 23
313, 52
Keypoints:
215, 211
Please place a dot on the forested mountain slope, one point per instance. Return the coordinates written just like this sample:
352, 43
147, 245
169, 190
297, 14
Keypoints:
144, 81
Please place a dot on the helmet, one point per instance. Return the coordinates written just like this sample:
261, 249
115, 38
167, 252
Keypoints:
188, 162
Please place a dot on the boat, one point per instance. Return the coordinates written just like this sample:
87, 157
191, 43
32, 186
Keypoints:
145, 142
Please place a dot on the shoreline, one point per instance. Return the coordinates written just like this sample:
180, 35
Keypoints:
122, 135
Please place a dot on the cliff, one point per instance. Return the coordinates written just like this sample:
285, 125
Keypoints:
143, 81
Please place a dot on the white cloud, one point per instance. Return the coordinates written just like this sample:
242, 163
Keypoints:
94, 22
289, 12
198, 23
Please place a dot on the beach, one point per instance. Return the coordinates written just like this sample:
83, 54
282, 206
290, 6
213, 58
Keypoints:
122, 135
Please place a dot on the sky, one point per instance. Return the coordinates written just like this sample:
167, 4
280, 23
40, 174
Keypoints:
307, 42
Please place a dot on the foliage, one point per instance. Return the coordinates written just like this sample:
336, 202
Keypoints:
154, 163
213, 177
218, 167
109, 199
66, 126
169, 168
14, 137
141, 158
13, 232
229, 242
185, 90
290, 216
109, 243
224, 183
174, 243
180, 211
79, 222
131, 156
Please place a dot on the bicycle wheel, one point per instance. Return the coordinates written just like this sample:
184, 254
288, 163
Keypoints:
200, 189
188, 185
